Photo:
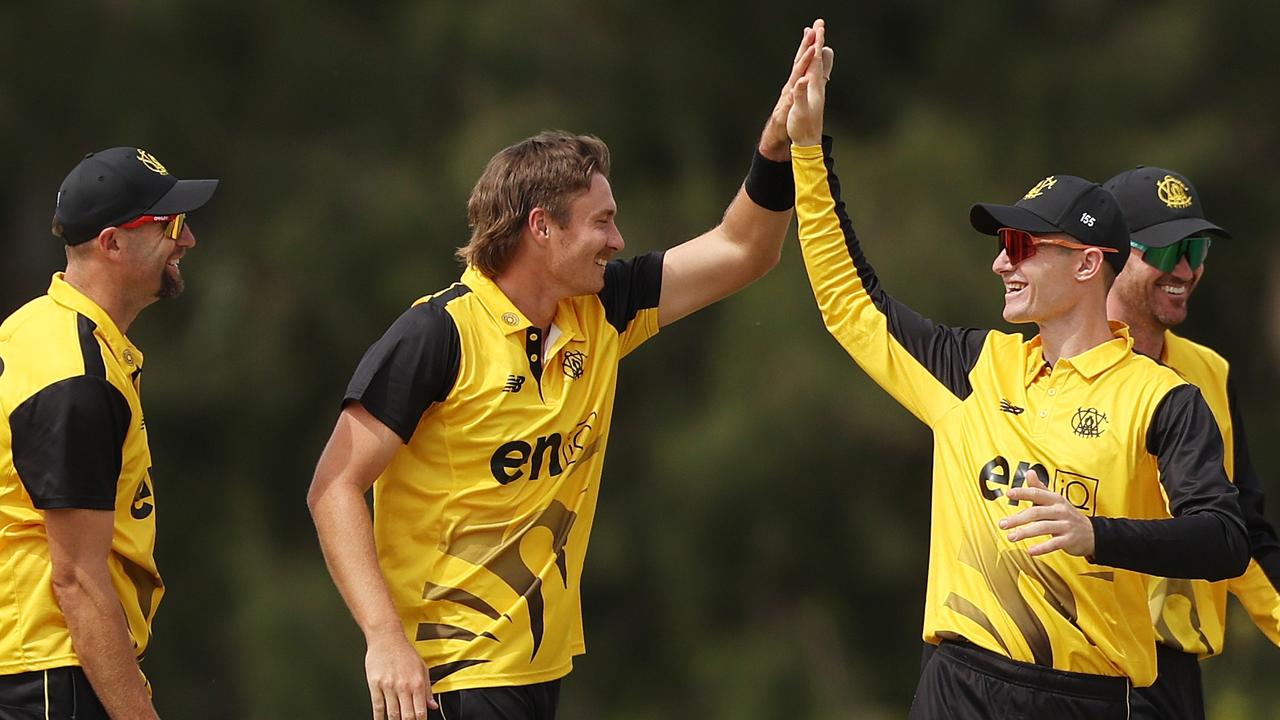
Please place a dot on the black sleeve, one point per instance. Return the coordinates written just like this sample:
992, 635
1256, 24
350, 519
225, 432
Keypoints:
1206, 537
414, 364
68, 443
1264, 546
947, 353
630, 286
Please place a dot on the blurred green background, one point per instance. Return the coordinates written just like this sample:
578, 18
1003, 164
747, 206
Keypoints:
761, 543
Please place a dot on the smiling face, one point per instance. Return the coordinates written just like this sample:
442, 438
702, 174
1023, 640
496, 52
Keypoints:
1041, 287
153, 260
579, 250
1145, 297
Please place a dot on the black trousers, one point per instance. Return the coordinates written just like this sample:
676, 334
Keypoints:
964, 681
517, 702
58, 694
1177, 693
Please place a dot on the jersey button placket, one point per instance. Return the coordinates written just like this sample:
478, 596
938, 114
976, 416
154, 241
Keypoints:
1047, 403
533, 349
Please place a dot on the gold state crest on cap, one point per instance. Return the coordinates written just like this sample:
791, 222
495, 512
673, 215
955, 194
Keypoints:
1040, 187
1173, 192
150, 162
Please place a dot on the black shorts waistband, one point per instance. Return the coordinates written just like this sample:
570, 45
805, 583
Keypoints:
1102, 687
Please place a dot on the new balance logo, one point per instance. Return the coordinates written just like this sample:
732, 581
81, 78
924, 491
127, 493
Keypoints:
1006, 406
514, 383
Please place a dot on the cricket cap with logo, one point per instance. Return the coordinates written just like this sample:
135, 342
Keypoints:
117, 185
1062, 204
1161, 206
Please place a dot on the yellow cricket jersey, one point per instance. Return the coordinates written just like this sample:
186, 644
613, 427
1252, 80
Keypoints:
72, 436
482, 518
1190, 615
1112, 431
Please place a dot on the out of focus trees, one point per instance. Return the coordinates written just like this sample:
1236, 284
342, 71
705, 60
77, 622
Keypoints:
762, 538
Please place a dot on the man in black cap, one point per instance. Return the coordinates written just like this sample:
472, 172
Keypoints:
1068, 435
1170, 238
77, 504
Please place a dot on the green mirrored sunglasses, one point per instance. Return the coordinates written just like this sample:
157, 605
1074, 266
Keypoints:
1165, 259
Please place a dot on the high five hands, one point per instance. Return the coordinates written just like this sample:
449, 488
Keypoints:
1050, 514
809, 86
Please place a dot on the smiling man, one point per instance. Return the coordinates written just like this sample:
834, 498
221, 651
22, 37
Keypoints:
1056, 627
482, 416
77, 503
1171, 238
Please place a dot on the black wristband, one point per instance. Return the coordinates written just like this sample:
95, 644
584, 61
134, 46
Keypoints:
770, 184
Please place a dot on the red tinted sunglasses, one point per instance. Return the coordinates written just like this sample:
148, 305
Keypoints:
172, 230
1020, 244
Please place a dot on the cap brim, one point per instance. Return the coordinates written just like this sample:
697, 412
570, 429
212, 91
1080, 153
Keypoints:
184, 196
987, 218
1167, 233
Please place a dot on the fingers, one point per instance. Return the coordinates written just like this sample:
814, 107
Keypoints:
1059, 542
800, 93
1031, 514
1038, 495
806, 41
1055, 527
393, 706
1033, 479
424, 699
828, 61
801, 65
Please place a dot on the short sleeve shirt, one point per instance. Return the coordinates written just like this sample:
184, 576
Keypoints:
72, 435
482, 518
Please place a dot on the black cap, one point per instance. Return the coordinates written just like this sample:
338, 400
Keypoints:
1065, 204
117, 185
1161, 206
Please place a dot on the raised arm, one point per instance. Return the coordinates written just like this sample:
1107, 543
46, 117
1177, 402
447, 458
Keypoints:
359, 450
748, 241
925, 366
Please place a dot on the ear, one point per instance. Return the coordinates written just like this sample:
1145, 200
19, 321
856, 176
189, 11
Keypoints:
539, 225
108, 241
1090, 266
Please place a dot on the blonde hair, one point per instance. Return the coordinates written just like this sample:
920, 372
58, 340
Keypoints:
545, 171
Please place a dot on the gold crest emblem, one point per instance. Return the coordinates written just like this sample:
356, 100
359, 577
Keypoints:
128, 357
1040, 187
1173, 192
510, 318
150, 162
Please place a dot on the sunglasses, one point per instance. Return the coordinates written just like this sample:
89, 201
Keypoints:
1019, 245
1165, 259
172, 230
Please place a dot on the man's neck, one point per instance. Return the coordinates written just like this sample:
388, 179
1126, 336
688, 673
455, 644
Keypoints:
1077, 332
110, 299
530, 295
1148, 337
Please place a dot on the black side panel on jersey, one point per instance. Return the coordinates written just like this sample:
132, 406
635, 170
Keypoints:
1264, 546
1206, 537
947, 353
68, 443
414, 364
630, 286
89, 348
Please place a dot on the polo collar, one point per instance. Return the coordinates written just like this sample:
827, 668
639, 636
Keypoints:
507, 316
1090, 363
64, 294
